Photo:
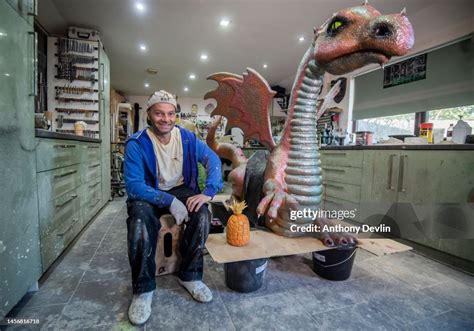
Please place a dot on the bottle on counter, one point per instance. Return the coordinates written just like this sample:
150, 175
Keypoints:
449, 132
461, 131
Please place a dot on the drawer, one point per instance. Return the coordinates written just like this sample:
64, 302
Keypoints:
342, 174
337, 190
330, 203
91, 153
54, 243
342, 158
91, 199
55, 153
54, 213
54, 183
91, 170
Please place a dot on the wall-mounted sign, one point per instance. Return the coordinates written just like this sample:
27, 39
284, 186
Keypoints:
406, 71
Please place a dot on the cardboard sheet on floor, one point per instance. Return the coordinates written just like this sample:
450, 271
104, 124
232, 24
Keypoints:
267, 244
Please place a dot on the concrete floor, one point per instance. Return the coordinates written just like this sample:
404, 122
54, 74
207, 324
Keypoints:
90, 289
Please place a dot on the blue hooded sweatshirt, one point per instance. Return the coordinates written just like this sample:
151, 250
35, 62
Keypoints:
140, 170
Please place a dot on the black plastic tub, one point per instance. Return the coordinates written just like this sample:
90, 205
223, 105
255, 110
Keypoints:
245, 276
219, 211
334, 264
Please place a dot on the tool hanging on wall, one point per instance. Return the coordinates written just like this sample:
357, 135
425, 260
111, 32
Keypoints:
71, 45
70, 89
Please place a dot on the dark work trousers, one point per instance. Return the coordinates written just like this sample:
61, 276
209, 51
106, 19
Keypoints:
143, 226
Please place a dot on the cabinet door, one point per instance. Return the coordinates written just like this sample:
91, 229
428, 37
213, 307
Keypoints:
27, 9
20, 262
436, 197
379, 186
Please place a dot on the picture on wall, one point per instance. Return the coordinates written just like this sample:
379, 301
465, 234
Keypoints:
406, 71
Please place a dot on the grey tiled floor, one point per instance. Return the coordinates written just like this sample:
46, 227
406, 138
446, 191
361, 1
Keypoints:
90, 289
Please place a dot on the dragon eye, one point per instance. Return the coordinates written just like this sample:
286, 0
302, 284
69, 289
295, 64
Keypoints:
335, 26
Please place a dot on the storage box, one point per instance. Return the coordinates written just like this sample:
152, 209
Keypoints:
82, 33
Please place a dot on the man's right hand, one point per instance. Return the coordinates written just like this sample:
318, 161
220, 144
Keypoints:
179, 211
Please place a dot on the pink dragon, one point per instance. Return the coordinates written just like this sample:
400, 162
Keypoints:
350, 39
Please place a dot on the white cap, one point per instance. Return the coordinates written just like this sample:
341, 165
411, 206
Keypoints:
161, 97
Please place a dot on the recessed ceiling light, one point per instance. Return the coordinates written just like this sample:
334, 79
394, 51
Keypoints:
143, 47
147, 85
192, 76
265, 66
186, 89
140, 6
301, 39
7, 74
204, 57
224, 22
2, 34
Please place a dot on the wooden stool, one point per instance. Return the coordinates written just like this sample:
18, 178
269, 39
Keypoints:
168, 257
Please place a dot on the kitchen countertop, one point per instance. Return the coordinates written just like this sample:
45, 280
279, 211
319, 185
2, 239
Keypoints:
404, 147
39, 133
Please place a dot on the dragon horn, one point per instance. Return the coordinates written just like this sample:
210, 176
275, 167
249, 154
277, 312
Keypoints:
403, 12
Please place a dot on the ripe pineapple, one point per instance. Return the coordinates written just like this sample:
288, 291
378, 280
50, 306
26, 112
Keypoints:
238, 227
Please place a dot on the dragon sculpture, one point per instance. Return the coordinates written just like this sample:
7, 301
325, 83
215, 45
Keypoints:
350, 39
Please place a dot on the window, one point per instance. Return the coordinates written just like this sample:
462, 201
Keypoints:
383, 127
442, 118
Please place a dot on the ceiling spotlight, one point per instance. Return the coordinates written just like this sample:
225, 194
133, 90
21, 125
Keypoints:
140, 6
301, 39
204, 57
265, 66
2, 34
192, 76
143, 47
7, 74
224, 22
186, 89
147, 85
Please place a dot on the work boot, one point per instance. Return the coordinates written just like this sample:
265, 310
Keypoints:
140, 308
198, 290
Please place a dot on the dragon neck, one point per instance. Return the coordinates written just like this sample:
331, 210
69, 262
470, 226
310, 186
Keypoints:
304, 95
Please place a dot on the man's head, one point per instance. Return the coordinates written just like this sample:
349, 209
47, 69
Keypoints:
161, 110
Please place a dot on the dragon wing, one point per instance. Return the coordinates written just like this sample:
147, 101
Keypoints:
245, 102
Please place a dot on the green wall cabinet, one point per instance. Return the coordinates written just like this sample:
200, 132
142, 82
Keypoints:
105, 123
20, 263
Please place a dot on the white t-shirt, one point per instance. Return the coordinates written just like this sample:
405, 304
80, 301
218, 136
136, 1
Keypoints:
169, 160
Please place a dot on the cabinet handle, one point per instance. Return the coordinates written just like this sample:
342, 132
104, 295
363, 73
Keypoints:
93, 146
403, 170
64, 146
336, 154
95, 204
33, 8
34, 92
333, 170
103, 110
391, 173
94, 185
60, 234
94, 165
66, 174
67, 201
102, 72
337, 187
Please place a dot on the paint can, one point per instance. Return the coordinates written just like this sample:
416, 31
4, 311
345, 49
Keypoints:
334, 264
245, 276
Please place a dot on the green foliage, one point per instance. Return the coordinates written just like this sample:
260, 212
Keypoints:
467, 113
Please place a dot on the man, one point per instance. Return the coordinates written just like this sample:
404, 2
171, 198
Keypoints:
161, 172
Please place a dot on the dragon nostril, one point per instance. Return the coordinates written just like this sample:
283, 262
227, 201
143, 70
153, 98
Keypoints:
382, 30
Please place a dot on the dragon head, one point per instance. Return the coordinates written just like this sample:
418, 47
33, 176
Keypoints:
357, 36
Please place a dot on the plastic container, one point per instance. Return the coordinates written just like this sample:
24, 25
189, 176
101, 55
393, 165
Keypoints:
426, 131
364, 138
219, 211
334, 264
245, 276
461, 131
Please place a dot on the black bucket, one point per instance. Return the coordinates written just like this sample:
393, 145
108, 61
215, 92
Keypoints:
245, 276
334, 264
219, 211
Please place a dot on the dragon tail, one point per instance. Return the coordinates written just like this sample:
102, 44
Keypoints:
224, 150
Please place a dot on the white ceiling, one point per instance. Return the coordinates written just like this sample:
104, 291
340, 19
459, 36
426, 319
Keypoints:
261, 31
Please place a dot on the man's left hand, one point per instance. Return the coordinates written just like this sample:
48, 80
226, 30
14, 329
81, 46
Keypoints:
196, 201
